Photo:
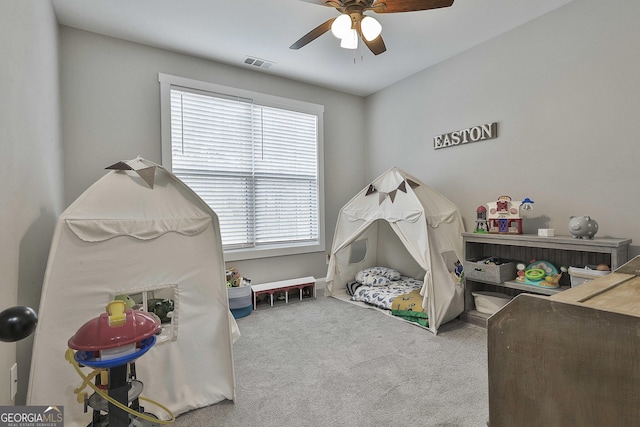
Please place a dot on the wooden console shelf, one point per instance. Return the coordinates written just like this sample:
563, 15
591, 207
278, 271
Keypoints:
570, 359
559, 250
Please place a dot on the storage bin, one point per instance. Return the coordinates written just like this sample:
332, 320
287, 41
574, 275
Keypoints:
489, 302
476, 269
241, 312
240, 302
580, 275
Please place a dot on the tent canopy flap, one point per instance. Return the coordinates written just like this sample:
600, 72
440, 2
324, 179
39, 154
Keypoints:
388, 215
92, 230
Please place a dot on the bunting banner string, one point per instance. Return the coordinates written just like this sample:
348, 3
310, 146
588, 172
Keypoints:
392, 194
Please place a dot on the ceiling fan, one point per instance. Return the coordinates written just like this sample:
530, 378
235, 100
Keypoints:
353, 23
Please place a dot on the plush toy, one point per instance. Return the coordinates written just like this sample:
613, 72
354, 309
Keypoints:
233, 278
128, 301
163, 308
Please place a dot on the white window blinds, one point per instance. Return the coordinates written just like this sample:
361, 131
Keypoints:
255, 165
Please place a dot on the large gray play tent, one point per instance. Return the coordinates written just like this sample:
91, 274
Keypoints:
144, 234
399, 222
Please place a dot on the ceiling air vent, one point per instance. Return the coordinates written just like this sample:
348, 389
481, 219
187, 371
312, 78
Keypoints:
257, 62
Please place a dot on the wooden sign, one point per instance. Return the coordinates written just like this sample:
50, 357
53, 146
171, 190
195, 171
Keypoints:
464, 136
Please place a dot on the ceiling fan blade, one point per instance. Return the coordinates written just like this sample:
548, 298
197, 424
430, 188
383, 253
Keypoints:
393, 6
376, 46
313, 34
330, 3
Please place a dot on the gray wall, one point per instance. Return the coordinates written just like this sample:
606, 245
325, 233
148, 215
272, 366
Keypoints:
111, 112
565, 91
30, 164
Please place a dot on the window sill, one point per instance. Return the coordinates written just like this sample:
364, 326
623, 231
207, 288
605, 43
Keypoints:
253, 253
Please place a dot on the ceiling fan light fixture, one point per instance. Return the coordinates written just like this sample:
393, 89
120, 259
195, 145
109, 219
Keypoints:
371, 28
350, 41
341, 26
368, 29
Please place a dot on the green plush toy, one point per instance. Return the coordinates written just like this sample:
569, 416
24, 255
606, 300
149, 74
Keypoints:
128, 302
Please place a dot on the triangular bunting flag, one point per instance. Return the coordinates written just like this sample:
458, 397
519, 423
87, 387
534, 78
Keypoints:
371, 189
412, 184
392, 195
381, 197
120, 166
148, 175
403, 187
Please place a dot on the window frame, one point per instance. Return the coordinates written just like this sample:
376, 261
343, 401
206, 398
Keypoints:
168, 81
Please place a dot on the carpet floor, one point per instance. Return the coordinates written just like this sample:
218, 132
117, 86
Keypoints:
325, 362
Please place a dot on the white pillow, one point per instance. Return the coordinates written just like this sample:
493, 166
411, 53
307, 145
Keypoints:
387, 272
371, 279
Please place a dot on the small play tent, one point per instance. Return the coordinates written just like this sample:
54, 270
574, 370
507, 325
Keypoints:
407, 226
141, 233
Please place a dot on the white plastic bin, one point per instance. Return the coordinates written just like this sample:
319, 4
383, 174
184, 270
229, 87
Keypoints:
580, 275
489, 302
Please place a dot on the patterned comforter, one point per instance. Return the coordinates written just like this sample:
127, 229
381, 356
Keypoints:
382, 296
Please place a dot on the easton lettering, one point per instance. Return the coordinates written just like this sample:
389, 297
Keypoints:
472, 134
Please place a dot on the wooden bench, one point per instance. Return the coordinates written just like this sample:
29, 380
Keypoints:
283, 286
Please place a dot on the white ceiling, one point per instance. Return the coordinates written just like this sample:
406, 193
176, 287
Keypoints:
227, 31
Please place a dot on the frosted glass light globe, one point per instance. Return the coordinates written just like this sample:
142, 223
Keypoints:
350, 41
341, 26
370, 28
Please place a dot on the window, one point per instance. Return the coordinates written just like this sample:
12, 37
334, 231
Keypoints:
357, 251
256, 160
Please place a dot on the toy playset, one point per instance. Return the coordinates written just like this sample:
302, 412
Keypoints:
502, 216
110, 344
539, 273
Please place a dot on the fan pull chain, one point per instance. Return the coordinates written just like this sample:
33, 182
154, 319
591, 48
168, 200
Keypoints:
361, 54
